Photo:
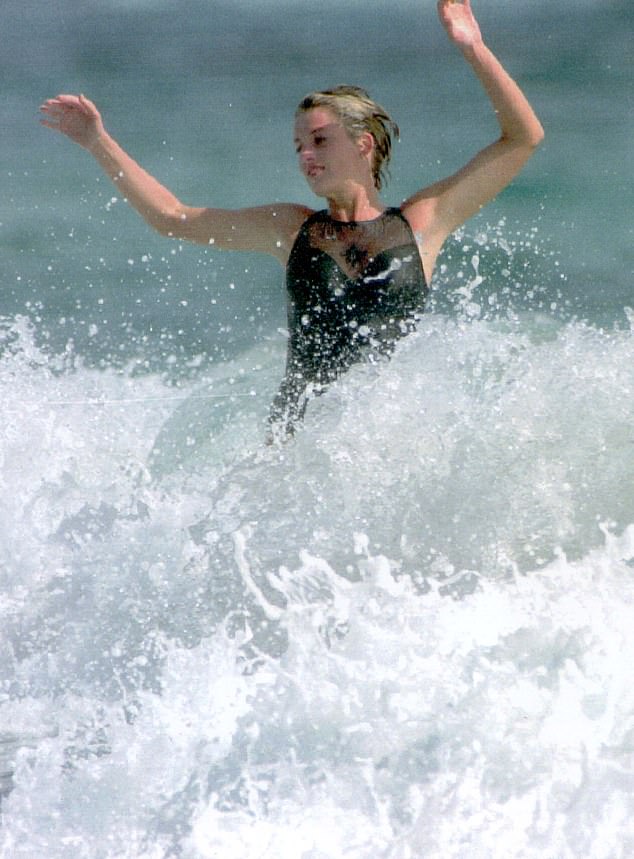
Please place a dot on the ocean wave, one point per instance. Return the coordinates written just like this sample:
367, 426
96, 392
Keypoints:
412, 620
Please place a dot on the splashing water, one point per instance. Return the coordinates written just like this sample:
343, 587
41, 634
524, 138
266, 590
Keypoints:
405, 633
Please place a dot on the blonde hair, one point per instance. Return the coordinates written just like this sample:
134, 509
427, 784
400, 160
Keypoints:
358, 113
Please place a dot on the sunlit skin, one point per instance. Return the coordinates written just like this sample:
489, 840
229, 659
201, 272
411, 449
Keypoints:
336, 166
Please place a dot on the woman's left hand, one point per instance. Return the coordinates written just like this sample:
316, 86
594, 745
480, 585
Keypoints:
459, 22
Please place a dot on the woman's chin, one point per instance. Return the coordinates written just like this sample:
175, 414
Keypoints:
318, 185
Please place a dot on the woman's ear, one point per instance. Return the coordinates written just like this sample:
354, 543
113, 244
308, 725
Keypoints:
365, 142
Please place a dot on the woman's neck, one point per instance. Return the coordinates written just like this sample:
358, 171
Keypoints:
355, 204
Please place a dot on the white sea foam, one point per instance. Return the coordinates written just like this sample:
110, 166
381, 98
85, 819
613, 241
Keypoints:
404, 631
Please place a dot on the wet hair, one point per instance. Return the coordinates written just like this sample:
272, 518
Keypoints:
358, 113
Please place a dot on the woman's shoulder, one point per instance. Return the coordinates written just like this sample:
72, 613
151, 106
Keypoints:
418, 210
287, 220
292, 214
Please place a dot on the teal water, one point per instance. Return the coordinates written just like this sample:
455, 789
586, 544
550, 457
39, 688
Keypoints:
406, 634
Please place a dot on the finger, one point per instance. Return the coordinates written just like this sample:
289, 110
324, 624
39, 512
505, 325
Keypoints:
89, 107
66, 100
51, 109
59, 103
70, 102
49, 104
54, 109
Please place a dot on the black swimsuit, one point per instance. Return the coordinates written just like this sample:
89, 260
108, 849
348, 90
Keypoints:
354, 288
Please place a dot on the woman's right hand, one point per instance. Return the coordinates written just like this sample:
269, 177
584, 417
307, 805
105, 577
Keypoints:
75, 116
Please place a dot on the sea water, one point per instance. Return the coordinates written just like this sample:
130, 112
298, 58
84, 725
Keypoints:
407, 633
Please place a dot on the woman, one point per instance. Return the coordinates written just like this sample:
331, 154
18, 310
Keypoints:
357, 273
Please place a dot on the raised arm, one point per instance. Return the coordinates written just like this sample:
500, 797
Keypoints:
438, 210
268, 229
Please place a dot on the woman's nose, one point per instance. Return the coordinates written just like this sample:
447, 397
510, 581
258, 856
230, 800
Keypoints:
306, 154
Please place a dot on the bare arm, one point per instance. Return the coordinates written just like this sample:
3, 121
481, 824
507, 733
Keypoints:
438, 210
268, 229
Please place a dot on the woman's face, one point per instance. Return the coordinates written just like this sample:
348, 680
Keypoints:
328, 157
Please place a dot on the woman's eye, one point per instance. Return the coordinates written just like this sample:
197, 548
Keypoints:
319, 140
